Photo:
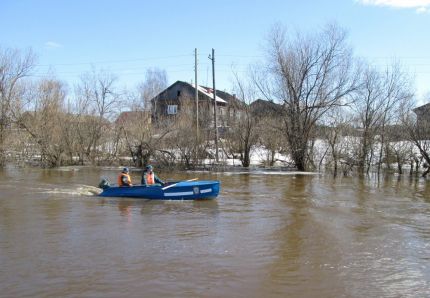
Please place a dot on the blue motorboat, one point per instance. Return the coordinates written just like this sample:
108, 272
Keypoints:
184, 190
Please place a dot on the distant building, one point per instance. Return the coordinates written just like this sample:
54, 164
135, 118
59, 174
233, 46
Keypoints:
261, 108
179, 99
423, 113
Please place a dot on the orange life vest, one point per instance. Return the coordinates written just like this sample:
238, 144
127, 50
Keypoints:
128, 179
150, 178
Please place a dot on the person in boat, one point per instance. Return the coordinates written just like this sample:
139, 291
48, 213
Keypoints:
124, 178
149, 177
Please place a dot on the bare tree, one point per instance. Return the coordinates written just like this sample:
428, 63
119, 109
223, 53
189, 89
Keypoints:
397, 93
309, 75
41, 117
179, 140
402, 152
377, 103
419, 133
141, 139
271, 136
14, 67
96, 99
155, 82
368, 106
244, 128
137, 135
335, 132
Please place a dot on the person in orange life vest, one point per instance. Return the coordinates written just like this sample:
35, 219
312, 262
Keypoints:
124, 178
149, 177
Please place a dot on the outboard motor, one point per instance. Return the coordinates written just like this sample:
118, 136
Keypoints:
104, 183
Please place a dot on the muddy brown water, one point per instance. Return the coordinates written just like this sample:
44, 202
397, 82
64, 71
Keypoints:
267, 235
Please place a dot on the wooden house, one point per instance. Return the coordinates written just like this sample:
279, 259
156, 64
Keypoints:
178, 100
261, 108
423, 114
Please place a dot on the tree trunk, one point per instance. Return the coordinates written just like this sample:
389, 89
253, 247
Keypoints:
246, 158
335, 165
272, 158
2, 151
363, 155
381, 150
299, 160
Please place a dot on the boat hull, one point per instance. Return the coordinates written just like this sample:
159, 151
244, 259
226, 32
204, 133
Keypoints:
196, 190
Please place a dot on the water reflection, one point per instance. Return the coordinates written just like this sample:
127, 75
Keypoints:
127, 206
296, 233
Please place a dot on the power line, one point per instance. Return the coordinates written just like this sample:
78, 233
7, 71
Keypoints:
115, 61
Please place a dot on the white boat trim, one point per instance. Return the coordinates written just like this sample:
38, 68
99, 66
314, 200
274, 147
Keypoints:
183, 193
206, 190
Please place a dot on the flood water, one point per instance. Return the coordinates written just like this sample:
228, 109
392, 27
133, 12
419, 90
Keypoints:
266, 235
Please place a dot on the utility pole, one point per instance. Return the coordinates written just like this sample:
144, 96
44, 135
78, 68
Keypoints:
196, 95
215, 108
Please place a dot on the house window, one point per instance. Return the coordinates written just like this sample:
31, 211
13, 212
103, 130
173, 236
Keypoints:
221, 111
172, 109
179, 93
239, 115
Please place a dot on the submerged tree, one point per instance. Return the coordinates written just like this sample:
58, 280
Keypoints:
309, 75
418, 128
378, 103
336, 132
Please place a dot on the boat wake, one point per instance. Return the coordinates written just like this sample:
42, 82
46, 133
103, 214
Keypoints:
81, 190
88, 190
